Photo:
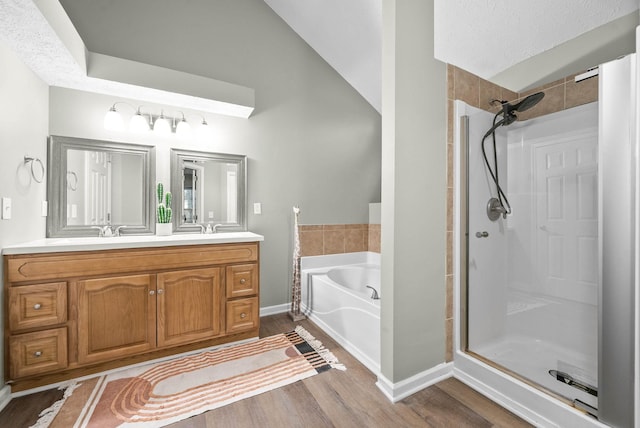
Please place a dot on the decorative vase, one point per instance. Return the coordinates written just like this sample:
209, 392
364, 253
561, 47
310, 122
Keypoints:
163, 229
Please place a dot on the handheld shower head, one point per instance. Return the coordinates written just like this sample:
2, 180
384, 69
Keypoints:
509, 111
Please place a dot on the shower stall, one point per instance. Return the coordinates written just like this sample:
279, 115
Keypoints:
547, 289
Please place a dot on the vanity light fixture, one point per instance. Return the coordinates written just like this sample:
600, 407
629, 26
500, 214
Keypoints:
113, 120
139, 123
183, 129
162, 125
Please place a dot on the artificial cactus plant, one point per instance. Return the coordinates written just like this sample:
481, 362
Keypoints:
163, 212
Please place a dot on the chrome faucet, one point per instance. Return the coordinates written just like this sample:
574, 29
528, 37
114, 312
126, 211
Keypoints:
116, 232
374, 293
202, 228
104, 231
216, 226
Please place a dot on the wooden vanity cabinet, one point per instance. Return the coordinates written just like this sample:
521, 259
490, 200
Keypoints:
72, 314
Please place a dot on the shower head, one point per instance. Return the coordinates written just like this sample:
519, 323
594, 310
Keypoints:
508, 110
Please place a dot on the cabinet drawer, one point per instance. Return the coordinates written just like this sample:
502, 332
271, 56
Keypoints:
37, 305
242, 314
39, 352
242, 280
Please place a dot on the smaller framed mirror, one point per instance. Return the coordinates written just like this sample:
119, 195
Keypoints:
208, 189
93, 183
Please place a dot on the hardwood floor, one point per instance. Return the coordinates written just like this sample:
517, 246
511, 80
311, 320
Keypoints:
331, 399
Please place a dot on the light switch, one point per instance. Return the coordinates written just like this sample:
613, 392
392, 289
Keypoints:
45, 208
210, 214
257, 208
6, 208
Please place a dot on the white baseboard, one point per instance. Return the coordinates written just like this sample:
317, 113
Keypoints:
5, 396
397, 391
276, 309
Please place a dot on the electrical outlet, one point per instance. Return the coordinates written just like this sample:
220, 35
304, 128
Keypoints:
6, 208
257, 208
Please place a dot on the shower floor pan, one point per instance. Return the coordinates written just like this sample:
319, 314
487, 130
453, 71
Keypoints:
533, 358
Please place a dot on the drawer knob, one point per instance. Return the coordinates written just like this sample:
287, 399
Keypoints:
160, 291
242, 281
37, 306
152, 292
243, 315
37, 354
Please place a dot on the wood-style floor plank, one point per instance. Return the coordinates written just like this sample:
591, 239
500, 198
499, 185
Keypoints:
331, 399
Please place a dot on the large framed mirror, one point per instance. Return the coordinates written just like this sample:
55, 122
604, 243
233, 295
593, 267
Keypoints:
208, 189
96, 183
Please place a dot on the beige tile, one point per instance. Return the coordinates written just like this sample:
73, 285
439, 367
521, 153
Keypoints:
450, 123
552, 84
449, 255
374, 238
488, 92
450, 193
449, 336
450, 81
355, 240
509, 95
449, 298
307, 227
334, 227
467, 87
311, 243
333, 241
580, 93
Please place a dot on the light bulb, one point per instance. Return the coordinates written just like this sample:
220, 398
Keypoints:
183, 130
113, 121
138, 123
162, 125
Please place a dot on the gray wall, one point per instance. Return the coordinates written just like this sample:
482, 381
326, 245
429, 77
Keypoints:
23, 130
413, 192
312, 140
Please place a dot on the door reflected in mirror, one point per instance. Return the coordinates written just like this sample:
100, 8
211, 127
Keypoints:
211, 188
96, 183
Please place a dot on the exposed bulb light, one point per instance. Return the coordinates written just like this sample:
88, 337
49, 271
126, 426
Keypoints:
113, 120
138, 123
204, 133
183, 129
162, 125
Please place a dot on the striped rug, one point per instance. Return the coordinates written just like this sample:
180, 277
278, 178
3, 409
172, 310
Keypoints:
159, 394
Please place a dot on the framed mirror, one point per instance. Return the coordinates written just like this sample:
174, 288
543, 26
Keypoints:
95, 183
208, 189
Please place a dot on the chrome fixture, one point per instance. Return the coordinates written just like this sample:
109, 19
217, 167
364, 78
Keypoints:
483, 234
164, 125
39, 176
374, 293
216, 226
104, 231
116, 232
202, 228
500, 205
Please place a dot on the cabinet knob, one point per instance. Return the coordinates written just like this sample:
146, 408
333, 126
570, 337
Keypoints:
160, 291
242, 281
243, 315
152, 292
37, 306
37, 354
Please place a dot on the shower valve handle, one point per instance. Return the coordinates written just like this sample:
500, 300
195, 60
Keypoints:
484, 234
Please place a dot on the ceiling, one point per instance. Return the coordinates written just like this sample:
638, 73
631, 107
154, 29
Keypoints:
517, 44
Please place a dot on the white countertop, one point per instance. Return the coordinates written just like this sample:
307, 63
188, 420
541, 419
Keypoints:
54, 245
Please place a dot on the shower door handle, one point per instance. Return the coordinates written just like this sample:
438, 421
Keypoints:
484, 234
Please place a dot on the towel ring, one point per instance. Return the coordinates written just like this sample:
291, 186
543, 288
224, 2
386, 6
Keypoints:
28, 159
72, 184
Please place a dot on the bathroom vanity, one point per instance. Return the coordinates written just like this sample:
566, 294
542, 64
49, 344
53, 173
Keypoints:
83, 305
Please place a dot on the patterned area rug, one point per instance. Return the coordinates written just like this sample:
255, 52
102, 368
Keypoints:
159, 394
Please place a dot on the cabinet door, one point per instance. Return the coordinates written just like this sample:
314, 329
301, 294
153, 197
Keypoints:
37, 305
37, 353
116, 317
243, 314
189, 305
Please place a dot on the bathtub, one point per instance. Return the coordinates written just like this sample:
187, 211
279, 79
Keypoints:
336, 298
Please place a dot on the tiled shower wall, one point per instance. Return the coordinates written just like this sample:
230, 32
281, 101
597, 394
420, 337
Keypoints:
462, 85
318, 240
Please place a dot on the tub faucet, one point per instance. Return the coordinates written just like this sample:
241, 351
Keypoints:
374, 293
